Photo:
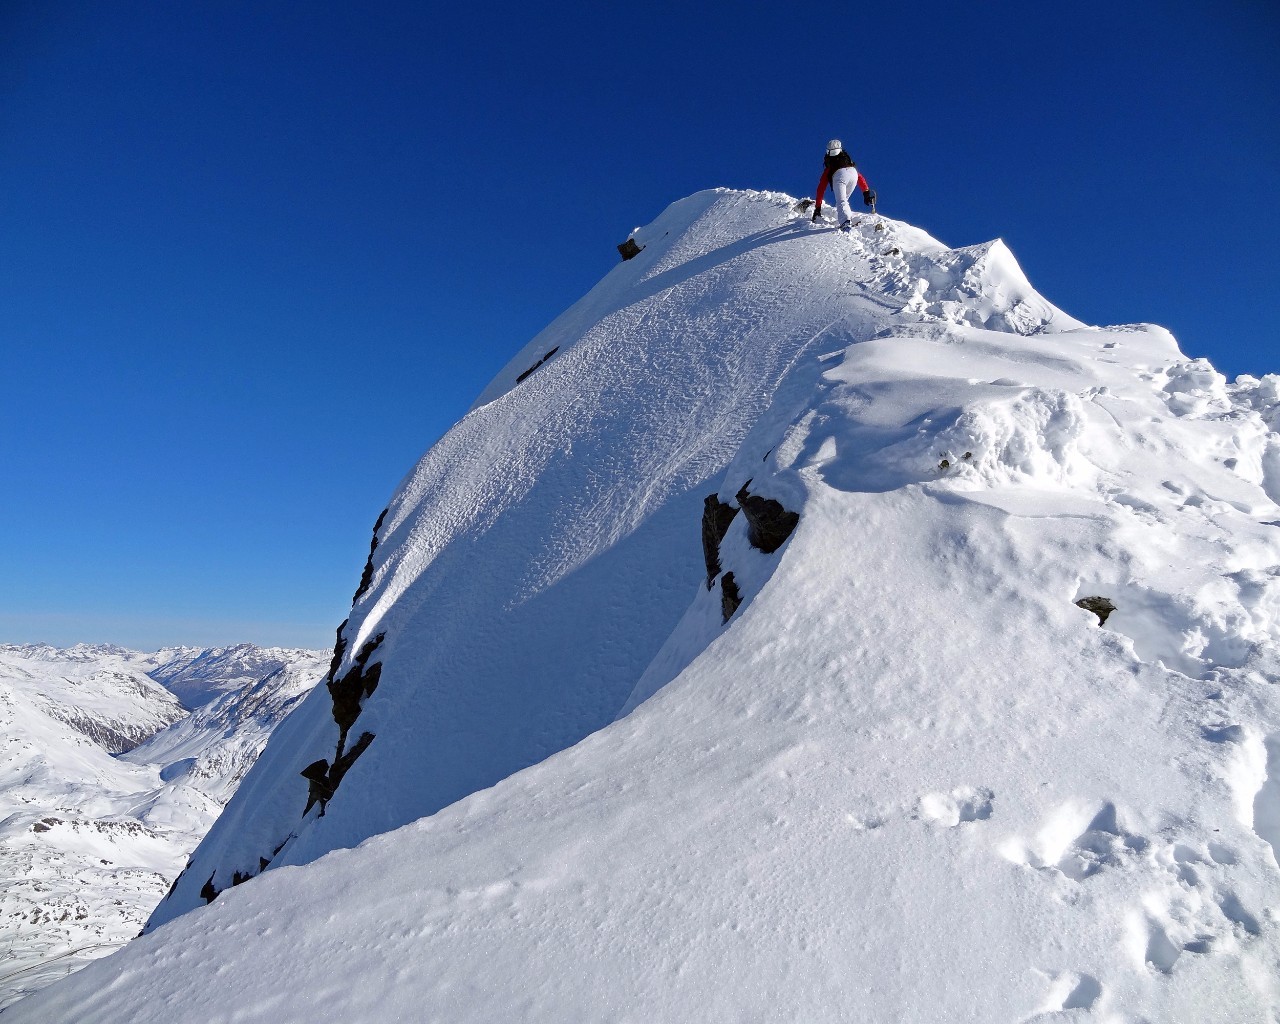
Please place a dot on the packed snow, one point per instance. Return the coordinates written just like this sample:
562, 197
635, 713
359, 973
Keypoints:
106, 785
907, 777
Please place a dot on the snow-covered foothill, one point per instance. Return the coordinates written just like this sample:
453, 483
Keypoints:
902, 776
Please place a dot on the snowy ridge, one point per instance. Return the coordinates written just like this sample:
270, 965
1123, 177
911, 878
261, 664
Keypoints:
891, 770
588, 471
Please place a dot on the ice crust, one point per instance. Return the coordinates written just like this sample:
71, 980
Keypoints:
909, 779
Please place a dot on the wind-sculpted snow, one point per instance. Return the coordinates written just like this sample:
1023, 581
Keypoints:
532, 564
901, 776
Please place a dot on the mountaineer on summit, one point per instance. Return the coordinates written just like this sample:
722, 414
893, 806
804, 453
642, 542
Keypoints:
839, 169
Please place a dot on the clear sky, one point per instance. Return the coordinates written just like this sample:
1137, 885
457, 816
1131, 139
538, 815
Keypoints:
258, 256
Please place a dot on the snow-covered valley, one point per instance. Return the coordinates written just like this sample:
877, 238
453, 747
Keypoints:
806, 625
107, 783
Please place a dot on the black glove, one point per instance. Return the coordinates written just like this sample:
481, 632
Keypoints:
817, 214
869, 197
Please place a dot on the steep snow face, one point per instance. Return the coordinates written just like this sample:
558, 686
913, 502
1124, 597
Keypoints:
89, 843
902, 775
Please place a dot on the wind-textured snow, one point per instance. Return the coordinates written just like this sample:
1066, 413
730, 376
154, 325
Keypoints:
908, 780
90, 842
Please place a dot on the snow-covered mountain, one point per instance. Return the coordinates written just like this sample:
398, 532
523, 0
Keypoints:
99, 691
805, 625
90, 842
213, 747
200, 676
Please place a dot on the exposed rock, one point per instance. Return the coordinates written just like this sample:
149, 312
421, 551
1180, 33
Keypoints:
1100, 606
344, 763
359, 681
319, 790
207, 892
323, 779
366, 577
529, 372
768, 523
730, 598
339, 649
716, 517
629, 250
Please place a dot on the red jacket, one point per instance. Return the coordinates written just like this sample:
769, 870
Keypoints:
831, 164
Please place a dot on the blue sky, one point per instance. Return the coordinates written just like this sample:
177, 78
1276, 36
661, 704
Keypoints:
259, 256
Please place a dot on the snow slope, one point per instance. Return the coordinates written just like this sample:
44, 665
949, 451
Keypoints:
90, 842
908, 779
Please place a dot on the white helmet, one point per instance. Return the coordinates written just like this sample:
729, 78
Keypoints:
834, 147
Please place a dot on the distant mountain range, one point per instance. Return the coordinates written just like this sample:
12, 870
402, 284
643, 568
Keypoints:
107, 782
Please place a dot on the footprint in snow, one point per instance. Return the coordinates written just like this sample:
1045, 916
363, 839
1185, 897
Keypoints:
961, 805
1067, 991
1077, 841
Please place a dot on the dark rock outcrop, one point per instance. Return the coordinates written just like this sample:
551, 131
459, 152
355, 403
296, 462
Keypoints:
1100, 606
347, 693
319, 791
359, 681
768, 523
730, 598
716, 517
323, 779
339, 649
529, 372
366, 577
207, 892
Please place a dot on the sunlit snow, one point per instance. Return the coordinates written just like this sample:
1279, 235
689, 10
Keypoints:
909, 779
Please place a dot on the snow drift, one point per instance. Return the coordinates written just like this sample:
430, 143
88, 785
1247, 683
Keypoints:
882, 767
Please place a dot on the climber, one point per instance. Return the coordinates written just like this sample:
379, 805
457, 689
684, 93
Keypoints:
839, 169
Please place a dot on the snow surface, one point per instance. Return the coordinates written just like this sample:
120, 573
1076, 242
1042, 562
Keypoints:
908, 780
90, 842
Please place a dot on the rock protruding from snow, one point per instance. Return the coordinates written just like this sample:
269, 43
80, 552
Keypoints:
768, 523
716, 517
